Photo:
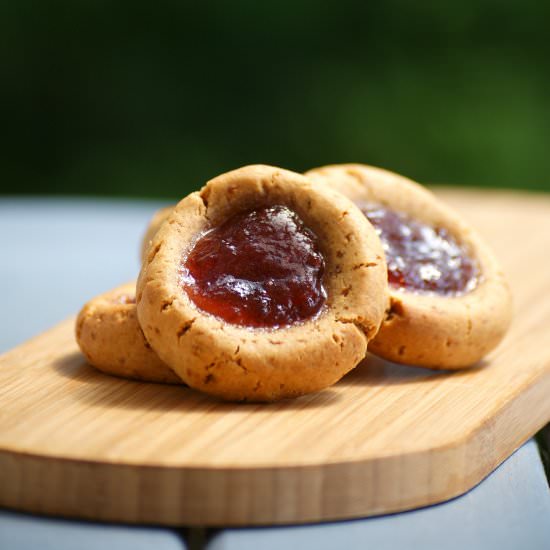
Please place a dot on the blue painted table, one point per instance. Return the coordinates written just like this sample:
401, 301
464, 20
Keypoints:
57, 253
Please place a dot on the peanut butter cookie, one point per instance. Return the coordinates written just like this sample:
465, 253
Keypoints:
262, 286
450, 303
110, 337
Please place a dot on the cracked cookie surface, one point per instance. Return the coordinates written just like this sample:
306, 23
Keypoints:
109, 335
159, 217
264, 364
431, 329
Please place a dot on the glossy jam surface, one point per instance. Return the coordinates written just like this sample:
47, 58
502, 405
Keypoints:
259, 269
420, 257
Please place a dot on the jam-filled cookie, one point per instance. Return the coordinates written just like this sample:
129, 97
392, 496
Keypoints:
450, 303
109, 335
159, 217
262, 286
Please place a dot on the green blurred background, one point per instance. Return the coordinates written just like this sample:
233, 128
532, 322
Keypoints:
124, 98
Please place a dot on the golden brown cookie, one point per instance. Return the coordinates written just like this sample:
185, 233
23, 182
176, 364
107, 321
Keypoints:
436, 319
110, 337
159, 217
239, 361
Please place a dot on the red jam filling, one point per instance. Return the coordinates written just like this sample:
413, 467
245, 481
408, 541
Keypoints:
262, 268
421, 257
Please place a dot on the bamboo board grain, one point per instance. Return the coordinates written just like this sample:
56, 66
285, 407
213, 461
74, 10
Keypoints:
386, 438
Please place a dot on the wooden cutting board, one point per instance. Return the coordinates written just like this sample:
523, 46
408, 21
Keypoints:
386, 438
